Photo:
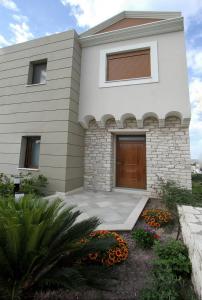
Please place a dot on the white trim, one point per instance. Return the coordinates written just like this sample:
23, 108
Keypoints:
28, 169
35, 84
153, 58
128, 131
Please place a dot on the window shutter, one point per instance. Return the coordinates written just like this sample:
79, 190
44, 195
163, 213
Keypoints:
128, 65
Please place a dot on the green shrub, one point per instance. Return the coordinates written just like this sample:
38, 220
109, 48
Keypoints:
33, 184
197, 184
6, 185
163, 286
145, 238
171, 269
40, 246
30, 184
173, 195
173, 254
196, 177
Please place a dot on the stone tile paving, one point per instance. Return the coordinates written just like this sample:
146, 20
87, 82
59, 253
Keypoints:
191, 225
117, 210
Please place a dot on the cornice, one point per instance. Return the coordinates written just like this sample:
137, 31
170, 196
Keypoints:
131, 14
149, 29
153, 14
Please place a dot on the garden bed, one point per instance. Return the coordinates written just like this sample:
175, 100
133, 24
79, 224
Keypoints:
132, 275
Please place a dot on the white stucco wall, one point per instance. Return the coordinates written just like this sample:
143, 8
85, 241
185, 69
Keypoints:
167, 95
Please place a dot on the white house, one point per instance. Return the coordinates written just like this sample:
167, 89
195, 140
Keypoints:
105, 109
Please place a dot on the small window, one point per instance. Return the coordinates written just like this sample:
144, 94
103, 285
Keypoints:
37, 72
30, 150
128, 65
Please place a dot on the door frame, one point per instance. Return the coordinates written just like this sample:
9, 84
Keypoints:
126, 133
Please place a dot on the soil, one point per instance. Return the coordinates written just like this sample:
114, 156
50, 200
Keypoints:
133, 274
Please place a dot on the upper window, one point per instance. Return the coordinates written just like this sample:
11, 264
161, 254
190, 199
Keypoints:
30, 150
37, 72
127, 65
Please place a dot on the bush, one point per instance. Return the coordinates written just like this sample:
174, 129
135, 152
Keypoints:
164, 286
114, 255
197, 184
6, 185
33, 184
175, 255
173, 195
30, 184
156, 217
171, 269
36, 238
145, 238
197, 177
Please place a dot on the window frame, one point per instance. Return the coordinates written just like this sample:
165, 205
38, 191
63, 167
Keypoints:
142, 80
32, 64
26, 153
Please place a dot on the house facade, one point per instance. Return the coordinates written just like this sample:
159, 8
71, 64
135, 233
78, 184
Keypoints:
105, 109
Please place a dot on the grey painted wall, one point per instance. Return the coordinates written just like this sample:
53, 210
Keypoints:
49, 110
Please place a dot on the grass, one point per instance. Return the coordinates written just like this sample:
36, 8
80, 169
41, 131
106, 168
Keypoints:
197, 183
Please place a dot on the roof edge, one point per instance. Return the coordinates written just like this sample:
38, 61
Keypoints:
159, 27
131, 14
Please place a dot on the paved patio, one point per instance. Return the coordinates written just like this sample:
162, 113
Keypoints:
116, 210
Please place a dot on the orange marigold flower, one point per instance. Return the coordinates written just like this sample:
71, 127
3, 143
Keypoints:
115, 254
93, 256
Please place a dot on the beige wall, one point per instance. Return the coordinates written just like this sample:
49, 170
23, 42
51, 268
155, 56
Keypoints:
48, 110
75, 146
167, 95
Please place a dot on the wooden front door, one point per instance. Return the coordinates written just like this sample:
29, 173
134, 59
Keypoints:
131, 162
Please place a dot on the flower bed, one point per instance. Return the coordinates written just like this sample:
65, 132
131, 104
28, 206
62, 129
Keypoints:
156, 217
114, 255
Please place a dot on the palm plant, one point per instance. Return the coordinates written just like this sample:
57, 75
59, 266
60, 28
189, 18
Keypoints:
39, 240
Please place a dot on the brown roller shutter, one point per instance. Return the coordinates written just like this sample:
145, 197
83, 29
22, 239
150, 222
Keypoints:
128, 65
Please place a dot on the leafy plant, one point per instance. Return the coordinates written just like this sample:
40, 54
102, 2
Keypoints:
6, 185
197, 177
40, 246
156, 217
163, 286
197, 184
114, 255
145, 238
32, 184
175, 255
171, 269
173, 195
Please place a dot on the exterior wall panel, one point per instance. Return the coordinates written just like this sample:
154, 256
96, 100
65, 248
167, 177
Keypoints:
45, 110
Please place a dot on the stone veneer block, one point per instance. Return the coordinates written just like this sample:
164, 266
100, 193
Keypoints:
191, 226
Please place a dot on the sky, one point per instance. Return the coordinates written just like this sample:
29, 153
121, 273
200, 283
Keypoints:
22, 20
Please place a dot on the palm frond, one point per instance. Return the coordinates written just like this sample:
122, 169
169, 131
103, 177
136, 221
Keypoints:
35, 236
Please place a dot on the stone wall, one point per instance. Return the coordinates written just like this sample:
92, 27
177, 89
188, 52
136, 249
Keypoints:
98, 159
191, 226
167, 153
